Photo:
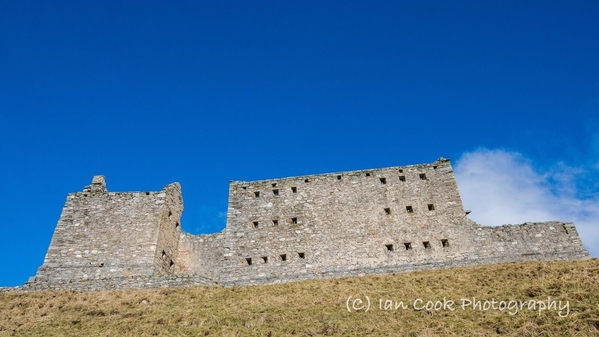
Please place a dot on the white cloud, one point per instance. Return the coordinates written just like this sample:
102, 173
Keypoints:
504, 188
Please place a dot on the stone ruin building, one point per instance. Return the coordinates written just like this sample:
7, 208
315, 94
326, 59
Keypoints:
319, 226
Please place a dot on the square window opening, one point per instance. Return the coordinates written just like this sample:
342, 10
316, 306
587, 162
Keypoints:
387, 211
389, 248
255, 224
400, 170
301, 255
338, 177
422, 176
244, 187
147, 193
367, 174
294, 190
274, 184
275, 222
264, 259
409, 209
431, 207
426, 244
256, 194
306, 180
275, 193
408, 245
402, 179
248, 260
283, 257
434, 167
294, 221
445, 243
383, 181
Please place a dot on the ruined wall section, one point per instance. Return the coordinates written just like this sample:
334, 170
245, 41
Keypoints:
361, 219
529, 241
104, 234
201, 254
170, 229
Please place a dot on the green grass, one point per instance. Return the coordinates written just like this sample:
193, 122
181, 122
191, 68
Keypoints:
319, 307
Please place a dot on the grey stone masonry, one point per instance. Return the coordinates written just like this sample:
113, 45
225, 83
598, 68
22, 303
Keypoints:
104, 234
319, 226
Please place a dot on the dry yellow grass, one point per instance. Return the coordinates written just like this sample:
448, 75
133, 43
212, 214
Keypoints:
319, 307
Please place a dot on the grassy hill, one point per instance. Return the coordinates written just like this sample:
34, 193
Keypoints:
320, 307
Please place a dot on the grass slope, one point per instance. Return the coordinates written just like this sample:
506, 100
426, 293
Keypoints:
319, 307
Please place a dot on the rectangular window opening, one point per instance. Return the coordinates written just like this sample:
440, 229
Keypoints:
389, 248
445, 243
275, 222
244, 187
275, 192
402, 179
434, 167
400, 170
367, 174
257, 194
274, 184
338, 177
301, 255
408, 245
255, 224
387, 211
409, 209
431, 207
264, 259
306, 180
422, 176
283, 257
426, 244
383, 181
294, 220
294, 190
248, 260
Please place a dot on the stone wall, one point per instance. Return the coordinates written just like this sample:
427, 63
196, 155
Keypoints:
320, 223
319, 226
511, 242
106, 234
167, 247
117, 283
201, 254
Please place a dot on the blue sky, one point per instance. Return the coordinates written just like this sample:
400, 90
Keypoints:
203, 92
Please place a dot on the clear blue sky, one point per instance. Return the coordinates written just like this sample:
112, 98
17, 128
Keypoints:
203, 92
